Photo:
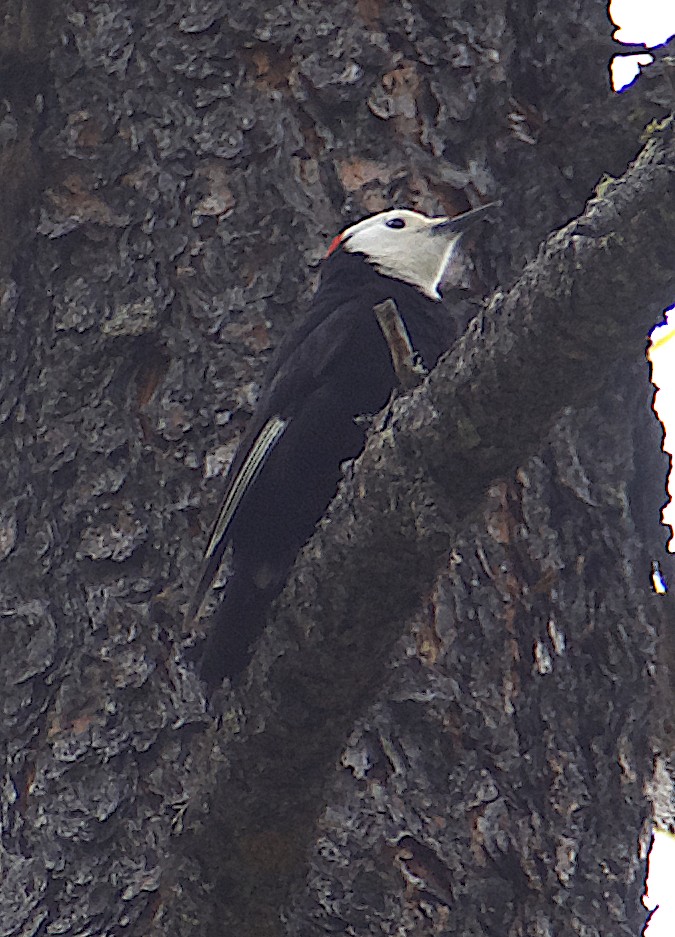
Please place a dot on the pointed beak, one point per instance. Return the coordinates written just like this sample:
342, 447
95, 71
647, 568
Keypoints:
460, 223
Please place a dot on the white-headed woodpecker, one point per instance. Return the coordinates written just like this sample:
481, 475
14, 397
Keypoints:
332, 369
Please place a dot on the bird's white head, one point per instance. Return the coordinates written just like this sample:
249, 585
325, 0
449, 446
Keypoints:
407, 245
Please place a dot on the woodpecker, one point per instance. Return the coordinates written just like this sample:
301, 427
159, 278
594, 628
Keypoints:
333, 369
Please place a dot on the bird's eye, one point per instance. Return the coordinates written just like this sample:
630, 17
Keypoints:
395, 223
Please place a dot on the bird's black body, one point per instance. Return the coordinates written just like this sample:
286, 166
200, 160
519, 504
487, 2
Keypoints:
335, 366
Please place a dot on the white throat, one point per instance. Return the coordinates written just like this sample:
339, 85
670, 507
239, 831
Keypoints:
424, 270
405, 245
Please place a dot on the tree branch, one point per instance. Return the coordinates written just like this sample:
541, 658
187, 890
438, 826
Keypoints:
408, 371
580, 311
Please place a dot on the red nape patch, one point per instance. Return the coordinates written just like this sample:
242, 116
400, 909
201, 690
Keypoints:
334, 244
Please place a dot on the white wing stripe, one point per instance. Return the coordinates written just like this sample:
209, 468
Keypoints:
267, 438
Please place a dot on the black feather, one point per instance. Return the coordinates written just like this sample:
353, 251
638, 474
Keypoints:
334, 367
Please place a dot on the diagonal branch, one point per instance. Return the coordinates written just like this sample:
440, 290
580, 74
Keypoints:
580, 311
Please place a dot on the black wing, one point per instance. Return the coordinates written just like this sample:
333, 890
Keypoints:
305, 362
334, 366
240, 480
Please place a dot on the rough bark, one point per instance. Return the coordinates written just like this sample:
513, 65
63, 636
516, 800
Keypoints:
169, 173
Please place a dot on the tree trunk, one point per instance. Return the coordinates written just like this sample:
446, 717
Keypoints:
458, 717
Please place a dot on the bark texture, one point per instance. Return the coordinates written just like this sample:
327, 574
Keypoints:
171, 174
